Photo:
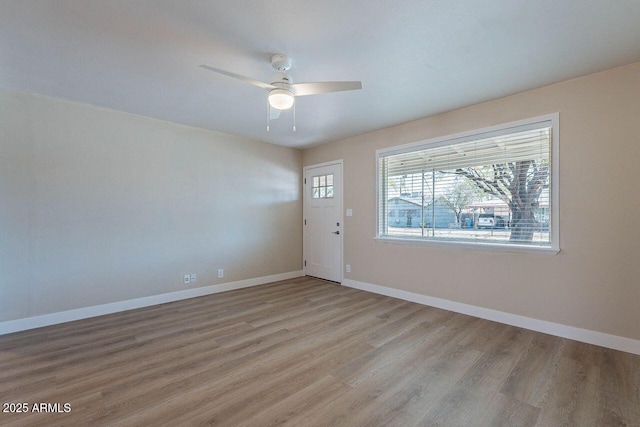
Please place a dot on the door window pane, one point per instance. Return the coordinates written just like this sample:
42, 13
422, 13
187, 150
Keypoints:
322, 186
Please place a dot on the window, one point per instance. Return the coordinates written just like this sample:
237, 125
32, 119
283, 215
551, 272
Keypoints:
322, 186
495, 187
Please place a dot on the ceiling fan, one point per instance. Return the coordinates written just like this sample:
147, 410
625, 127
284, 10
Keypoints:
282, 91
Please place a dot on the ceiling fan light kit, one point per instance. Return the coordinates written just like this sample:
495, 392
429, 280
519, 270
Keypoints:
281, 99
282, 91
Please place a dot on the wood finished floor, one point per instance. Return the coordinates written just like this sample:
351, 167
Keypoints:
307, 352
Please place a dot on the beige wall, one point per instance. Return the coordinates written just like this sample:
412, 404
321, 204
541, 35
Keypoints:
98, 206
594, 282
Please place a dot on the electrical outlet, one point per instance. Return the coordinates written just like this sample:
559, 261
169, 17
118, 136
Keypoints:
187, 279
193, 278
220, 273
348, 268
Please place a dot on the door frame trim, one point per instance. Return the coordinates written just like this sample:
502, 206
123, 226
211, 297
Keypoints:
305, 169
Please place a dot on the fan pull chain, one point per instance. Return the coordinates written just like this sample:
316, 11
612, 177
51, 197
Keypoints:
268, 114
294, 116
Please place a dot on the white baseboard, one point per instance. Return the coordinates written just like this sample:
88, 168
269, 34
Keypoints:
26, 323
578, 334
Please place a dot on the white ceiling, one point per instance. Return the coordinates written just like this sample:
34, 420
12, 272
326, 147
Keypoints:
415, 58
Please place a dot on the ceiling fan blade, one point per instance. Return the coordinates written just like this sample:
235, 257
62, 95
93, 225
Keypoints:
274, 113
301, 89
239, 77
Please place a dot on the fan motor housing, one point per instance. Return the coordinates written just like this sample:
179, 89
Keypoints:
282, 78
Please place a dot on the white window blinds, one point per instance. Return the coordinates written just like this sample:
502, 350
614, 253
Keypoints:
491, 187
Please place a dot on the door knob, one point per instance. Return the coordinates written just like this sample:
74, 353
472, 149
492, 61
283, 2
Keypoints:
336, 232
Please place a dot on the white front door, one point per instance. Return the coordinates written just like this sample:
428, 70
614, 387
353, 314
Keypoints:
323, 221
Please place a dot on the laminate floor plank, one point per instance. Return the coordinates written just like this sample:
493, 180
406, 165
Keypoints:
292, 359
532, 376
619, 385
406, 404
369, 364
382, 396
573, 398
257, 397
289, 354
500, 356
299, 320
305, 402
395, 327
504, 411
305, 352
151, 387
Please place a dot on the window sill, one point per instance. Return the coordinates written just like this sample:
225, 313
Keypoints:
497, 247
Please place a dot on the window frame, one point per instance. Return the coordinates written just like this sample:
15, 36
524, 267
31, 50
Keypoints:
504, 128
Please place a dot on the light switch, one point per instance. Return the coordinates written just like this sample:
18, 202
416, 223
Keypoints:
349, 212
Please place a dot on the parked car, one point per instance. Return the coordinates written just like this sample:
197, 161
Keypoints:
491, 221
486, 220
